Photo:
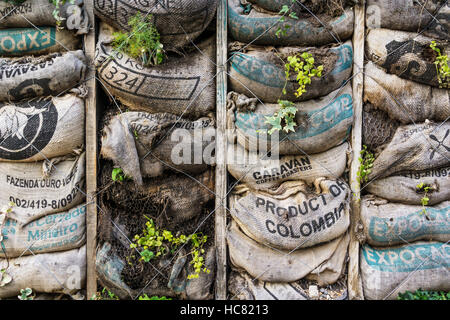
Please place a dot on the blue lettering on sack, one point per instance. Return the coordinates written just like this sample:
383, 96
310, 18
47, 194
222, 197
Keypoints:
21, 40
408, 258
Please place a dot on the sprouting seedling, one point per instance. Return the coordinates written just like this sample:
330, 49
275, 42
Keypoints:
303, 66
25, 294
285, 11
118, 175
424, 188
283, 119
442, 69
366, 160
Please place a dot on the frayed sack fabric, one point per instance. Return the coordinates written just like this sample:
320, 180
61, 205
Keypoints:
109, 267
183, 85
272, 265
430, 18
414, 147
260, 72
386, 272
386, 223
54, 232
261, 28
32, 41
298, 218
314, 6
179, 21
242, 287
405, 54
404, 100
40, 188
403, 187
73, 16
259, 172
50, 75
145, 144
57, 272
321, 124
42, 128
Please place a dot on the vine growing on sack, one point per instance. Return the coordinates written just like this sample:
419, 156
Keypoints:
442, 69
366, 160
424, 188
154, 243
285, 11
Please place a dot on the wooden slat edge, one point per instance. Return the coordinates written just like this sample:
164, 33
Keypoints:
355, 291
221, 170
91, 157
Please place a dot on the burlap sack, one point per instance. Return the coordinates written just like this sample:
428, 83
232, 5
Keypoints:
386, 223
321, 124
54, 232
431, 18
42, 128
40, 13
314, 6
267, 175
414, 147
260, 72
109, 267
32, 41
49, 75
57, 272
146, 144
404, 100
297, 218
386, 272
405, 54
242, 287
272, 265
377, 128
180, 197
260, 28
41, 188
179, 21
402, 187
183, 85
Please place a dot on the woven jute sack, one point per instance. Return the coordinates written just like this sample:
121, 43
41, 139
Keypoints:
73, 16
55, 232
32, 41
388, 271
259, 72
40, 188
302, 216
404, 100
386, 223
259, 172
404, 54
430, 18
301, 7
179, 22
42, 128
183, 85
403, 187
56, 272
109, 267
321, 124
414, 147
261, 27
146, 144
377, 128
324, 262
49, 75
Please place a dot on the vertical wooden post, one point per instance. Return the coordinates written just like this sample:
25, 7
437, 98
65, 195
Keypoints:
91, 156
221, 150
355, 291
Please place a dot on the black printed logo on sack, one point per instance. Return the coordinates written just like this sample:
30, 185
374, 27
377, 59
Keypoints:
26, 128
32, 88
440, 143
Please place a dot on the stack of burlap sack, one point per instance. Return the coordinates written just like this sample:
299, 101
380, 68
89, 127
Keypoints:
405, 212
290, 202
160, 133
42, 160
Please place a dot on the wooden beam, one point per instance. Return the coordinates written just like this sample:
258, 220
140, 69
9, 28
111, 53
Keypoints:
221, 169
355, 291
91, 156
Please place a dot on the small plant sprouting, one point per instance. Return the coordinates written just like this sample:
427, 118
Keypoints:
155, 243
424, 188
442, 69
25, 294
118, 175
146, 297
285, 11
105, 294
366, 160
303, 65
424, 295
284, 118
142, 42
